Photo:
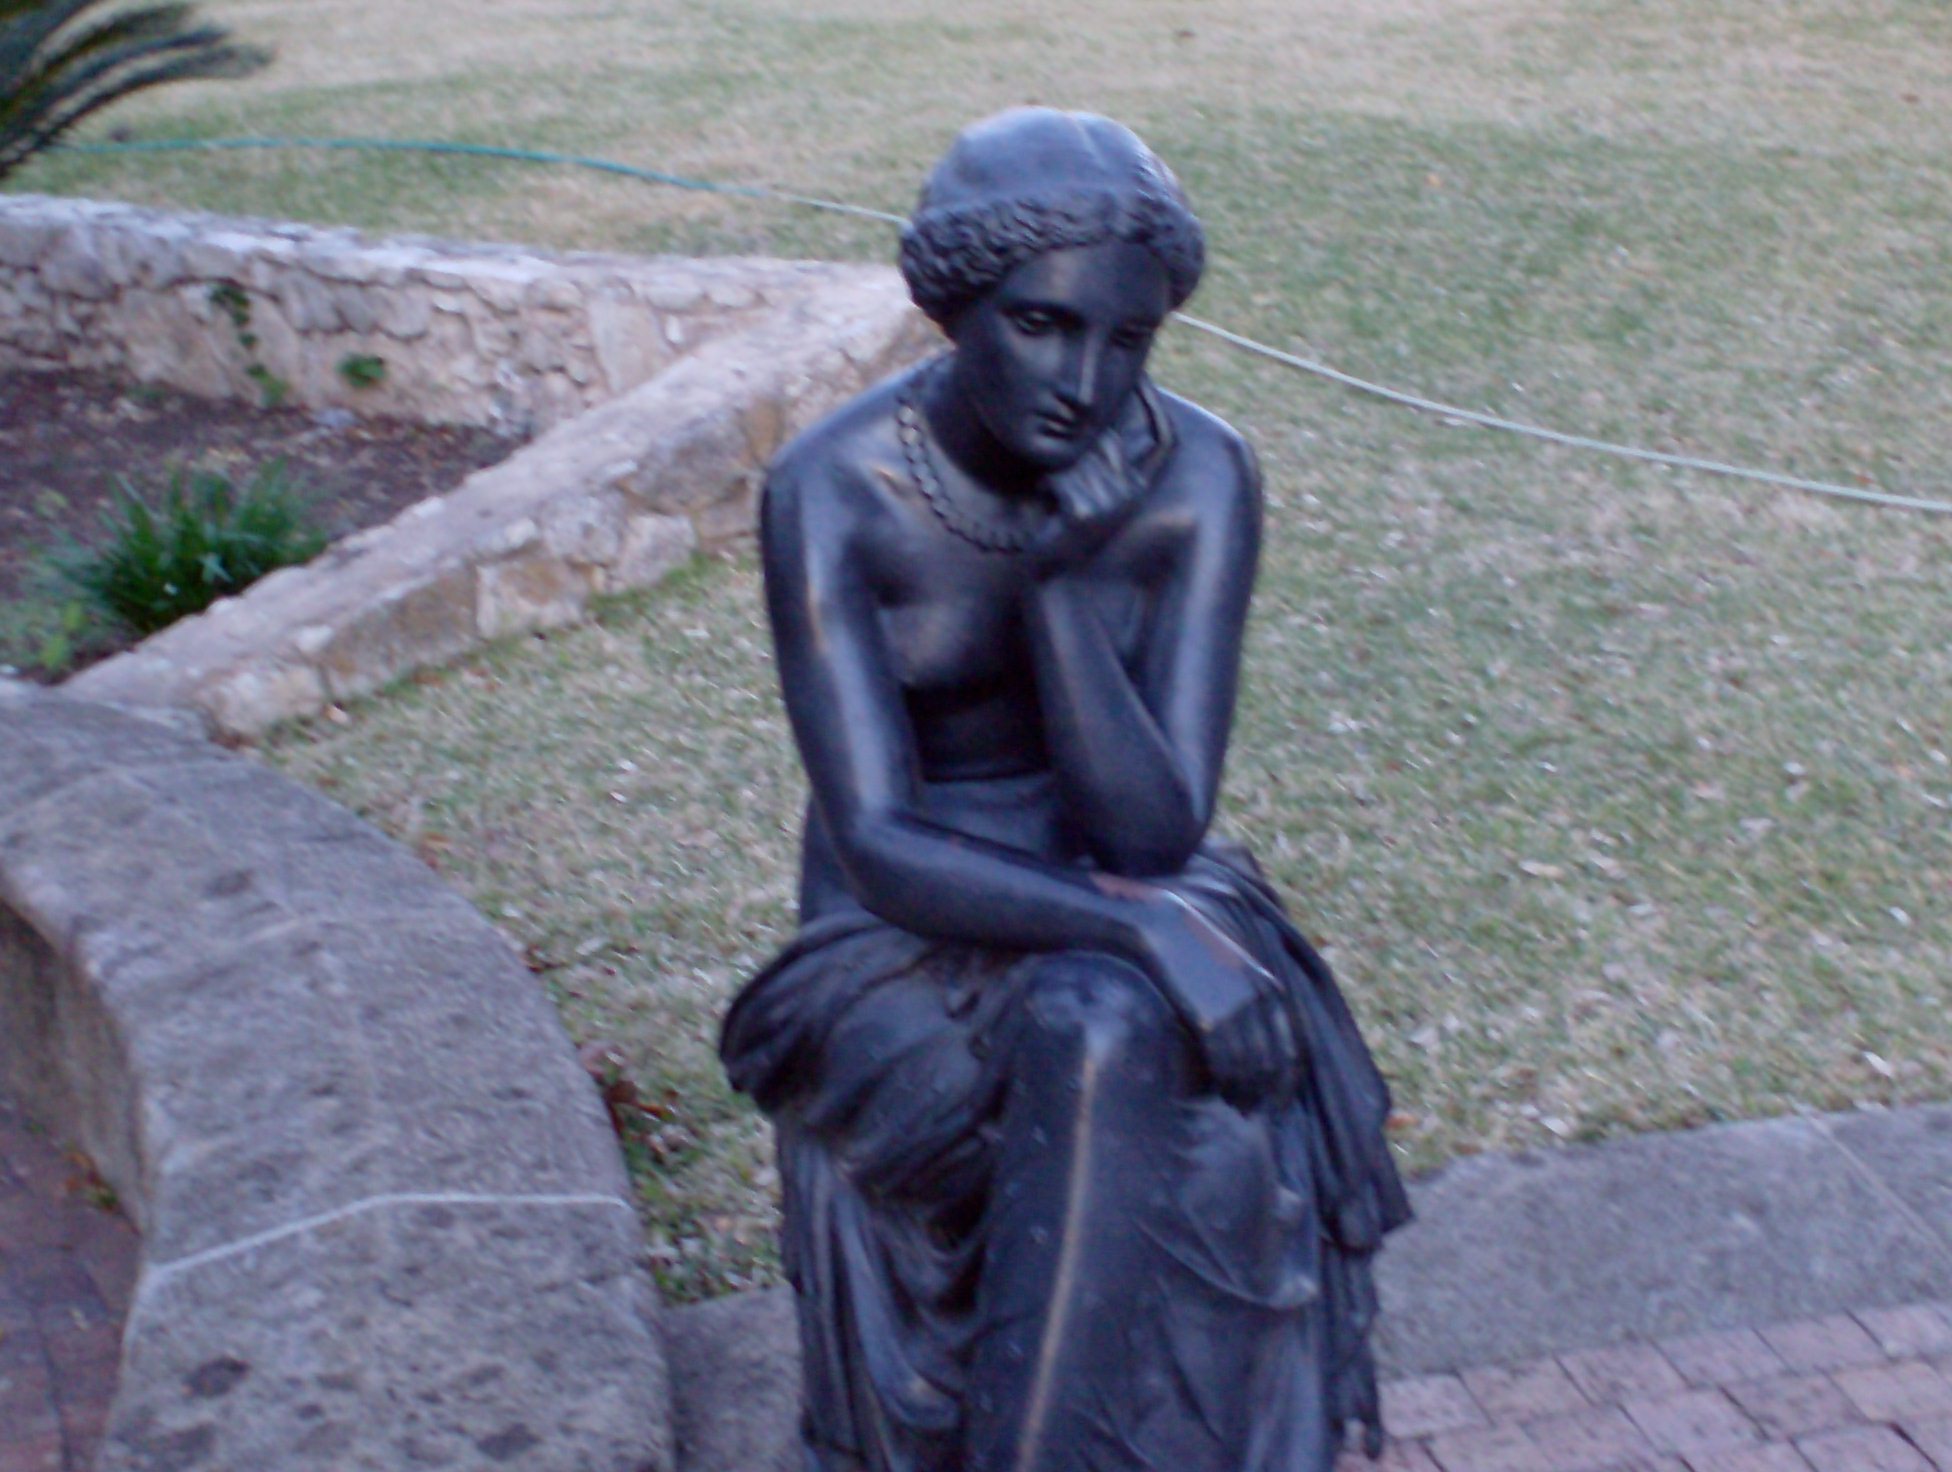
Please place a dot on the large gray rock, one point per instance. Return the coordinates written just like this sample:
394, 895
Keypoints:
432, 1335
384, 1220
735, 1383
1906, 1155
1742, 1224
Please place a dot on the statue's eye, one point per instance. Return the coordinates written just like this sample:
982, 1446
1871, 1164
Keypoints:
1033, 321
1132, 338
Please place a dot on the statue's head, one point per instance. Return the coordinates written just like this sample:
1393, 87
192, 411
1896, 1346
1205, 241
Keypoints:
1034, 180
1049, 246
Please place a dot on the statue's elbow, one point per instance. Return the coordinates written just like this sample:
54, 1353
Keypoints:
868, 849
1155, 839
1151, 855
1140, 865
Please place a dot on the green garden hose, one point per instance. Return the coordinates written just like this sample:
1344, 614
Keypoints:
1233, 339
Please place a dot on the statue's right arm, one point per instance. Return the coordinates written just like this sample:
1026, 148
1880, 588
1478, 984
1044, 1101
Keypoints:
851, 724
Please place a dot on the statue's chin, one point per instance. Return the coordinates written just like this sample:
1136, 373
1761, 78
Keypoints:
1049, 454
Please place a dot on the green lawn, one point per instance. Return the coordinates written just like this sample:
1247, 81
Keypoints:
1620, 796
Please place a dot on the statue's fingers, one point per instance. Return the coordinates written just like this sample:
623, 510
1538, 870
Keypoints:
1286, 1049
1091, 502
1072, 496
1279, 1028
1264, 1060
1218, 1057
1113, 449
1297, 1025
1235, 1062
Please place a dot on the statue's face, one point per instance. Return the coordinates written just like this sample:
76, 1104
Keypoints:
1048, 358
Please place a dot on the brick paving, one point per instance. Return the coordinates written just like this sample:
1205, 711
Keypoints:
67, 1268
1862, 1392
1865, 1392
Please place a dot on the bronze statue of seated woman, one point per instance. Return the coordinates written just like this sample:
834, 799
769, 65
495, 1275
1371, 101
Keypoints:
1082, 1154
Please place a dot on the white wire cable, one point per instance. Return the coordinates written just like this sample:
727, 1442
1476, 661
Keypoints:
1235, 339
1560, 437
1472, 416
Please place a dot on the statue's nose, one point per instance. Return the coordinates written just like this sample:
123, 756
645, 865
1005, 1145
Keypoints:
1080, 382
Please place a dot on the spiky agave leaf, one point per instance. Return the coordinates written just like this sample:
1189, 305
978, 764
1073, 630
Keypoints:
53, 74
26, 39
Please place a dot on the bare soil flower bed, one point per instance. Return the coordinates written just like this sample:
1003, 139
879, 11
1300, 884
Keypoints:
66, 438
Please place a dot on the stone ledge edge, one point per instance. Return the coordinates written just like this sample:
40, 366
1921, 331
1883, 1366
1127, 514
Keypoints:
418, 1298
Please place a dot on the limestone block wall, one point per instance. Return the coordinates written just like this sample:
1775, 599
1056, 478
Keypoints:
500, 336
607, 501
384, 1220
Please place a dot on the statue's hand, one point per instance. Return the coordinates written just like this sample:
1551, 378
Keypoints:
1237, 1012
1093, 498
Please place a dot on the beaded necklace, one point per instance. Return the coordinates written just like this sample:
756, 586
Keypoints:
954, 510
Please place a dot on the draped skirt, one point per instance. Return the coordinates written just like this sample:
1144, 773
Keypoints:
1005, 1181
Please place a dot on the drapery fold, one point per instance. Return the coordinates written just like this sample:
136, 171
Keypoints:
887, 1060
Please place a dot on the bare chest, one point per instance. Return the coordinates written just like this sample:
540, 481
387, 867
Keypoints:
954, 622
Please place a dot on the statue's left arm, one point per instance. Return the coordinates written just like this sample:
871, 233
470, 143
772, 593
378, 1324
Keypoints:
1138, 750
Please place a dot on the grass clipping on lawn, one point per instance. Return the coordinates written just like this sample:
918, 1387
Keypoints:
1619, 797
1601, 837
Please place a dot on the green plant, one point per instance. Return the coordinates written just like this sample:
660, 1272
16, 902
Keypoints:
54, 71
230, 299
202, 540
272, 390
57, 649
362, 370
47, 629
235, 303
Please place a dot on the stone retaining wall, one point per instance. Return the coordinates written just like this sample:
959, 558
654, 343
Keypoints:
658, 388
512, 339
608, 501
384, 1220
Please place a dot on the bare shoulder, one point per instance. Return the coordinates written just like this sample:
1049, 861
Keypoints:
1213, 471
836, 476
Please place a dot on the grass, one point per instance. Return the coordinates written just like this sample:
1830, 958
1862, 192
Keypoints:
49, 626
1620, 797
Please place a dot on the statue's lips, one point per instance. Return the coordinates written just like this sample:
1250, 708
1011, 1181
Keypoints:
1058, 425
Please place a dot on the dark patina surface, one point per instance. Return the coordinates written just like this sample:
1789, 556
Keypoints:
1083, 1155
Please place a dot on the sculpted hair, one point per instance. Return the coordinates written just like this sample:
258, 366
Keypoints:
963, 240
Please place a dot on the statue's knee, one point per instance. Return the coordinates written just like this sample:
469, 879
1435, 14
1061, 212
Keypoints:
1101, 1004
